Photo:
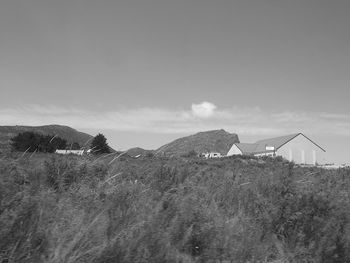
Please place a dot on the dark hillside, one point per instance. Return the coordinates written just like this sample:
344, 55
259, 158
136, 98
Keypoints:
209, 141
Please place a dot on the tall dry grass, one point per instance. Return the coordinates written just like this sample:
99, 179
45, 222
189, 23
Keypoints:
70, 209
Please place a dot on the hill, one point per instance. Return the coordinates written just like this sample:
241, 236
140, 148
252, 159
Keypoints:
209, 141
137, 151
65, 132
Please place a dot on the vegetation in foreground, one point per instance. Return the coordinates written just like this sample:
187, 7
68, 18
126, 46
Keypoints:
99, 209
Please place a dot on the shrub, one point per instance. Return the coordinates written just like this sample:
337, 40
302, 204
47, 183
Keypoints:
31, 141
190, 154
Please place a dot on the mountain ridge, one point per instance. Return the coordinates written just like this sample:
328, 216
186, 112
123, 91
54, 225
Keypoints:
206, 141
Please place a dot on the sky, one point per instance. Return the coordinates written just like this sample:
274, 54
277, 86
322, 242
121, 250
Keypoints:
145, 72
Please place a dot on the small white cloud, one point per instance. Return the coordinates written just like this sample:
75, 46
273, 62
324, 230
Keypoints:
203, 110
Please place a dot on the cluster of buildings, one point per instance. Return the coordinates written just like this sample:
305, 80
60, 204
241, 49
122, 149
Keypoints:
75, 152
295, 147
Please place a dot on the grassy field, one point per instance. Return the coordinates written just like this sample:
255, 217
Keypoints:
88, 209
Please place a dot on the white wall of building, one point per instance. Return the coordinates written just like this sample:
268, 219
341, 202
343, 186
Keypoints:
77, 152
302, 151
234, 151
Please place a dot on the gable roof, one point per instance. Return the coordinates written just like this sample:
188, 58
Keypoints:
277, 142
246, 148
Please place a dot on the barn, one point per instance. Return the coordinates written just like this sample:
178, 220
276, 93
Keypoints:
295, 147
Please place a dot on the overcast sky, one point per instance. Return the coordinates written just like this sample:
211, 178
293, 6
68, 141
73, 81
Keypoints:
144, 72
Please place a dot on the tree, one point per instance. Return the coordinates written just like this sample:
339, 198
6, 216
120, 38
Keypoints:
74, 146
51, 143
31, 141
26, 141
99, 144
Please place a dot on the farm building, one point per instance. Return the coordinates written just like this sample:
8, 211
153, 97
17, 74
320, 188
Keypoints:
295, 147
76, 152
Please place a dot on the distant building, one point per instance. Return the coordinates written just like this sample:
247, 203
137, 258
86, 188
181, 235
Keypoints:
211, 155
295, 147
76, 152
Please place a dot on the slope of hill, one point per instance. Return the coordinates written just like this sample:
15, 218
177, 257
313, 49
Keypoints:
137, 151
65, 132
209, 141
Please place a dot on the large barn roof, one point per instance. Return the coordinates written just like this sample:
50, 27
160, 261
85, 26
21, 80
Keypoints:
247, 148
276, 143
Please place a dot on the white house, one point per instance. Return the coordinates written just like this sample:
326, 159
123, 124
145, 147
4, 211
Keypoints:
295, 147
76, 152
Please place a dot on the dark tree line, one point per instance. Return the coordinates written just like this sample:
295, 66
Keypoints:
31, 142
